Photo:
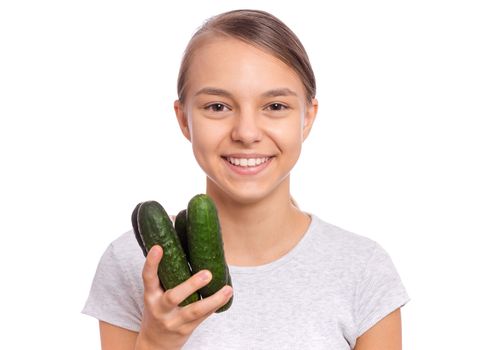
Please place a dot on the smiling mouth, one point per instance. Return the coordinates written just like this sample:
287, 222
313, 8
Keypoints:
247, 162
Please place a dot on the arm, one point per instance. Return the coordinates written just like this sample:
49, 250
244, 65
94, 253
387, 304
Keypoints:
386, 334
113, 337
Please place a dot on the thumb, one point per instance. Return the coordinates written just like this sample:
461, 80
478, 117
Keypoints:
151, 282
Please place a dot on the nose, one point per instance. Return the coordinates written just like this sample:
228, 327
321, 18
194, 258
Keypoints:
246, 128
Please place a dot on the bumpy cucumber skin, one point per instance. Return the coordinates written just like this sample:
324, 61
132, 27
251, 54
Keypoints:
228, 282
181, 228
156, 227
205, 245
137, 234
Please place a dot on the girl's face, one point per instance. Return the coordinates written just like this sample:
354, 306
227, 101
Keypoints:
246, 116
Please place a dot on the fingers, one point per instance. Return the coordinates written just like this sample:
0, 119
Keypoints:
173, 297
150, 269
169, 300
198, 311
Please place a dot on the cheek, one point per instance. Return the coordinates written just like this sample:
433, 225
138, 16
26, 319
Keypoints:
205, 138
288, 135
289, 140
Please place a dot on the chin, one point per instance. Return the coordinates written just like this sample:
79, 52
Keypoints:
248, 196
237, 194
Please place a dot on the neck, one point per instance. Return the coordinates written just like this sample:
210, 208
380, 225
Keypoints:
259, 232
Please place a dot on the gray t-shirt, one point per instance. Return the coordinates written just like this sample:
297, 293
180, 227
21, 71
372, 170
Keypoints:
326, 292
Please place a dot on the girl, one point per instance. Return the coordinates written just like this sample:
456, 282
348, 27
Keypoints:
246, 102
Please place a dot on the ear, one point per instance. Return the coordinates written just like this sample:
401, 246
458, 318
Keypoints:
182, 119
310, 115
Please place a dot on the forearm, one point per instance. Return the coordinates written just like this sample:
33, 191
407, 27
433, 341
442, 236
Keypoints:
143, 343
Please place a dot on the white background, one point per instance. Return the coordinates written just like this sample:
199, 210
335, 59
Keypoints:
399, 151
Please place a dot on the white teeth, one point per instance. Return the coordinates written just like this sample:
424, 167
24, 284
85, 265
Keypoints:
247, 161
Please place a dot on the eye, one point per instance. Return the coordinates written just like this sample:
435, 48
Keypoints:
215, 107
277, 107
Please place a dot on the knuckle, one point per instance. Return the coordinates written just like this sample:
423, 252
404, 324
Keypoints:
150, 301
168, 324
195, 312
171, 297
172, 324
146, 275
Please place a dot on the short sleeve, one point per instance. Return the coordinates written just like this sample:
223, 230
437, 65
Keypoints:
380, 290
112, 296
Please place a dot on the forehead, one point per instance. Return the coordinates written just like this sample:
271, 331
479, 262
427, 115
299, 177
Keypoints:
240, 67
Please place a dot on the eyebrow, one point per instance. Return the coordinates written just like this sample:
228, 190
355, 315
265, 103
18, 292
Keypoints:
270, 93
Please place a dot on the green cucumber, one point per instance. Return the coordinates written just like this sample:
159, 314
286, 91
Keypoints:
181, 228
137, 234
155, 227
205, 245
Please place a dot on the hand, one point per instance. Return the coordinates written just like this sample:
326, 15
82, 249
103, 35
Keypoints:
165, 324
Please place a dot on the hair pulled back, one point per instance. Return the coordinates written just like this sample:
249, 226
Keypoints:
257, 28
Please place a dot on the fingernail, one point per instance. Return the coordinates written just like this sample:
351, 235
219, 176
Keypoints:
204, 275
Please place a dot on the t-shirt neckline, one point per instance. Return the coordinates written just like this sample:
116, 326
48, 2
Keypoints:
283, 259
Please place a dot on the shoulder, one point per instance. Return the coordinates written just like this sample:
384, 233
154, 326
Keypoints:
125, 245
345, 256
361, 266
339, 242
123, 256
